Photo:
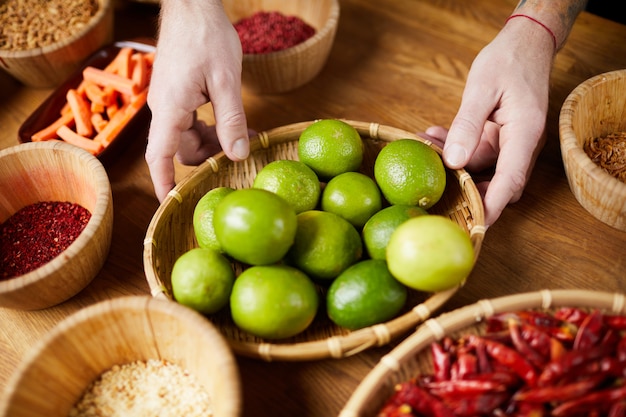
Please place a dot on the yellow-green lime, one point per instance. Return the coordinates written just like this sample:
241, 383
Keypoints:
353, 196
202, 279
325, 245
203, 217
430, 253
255, 226
381, 225
365, 294
292, 180
410, 172
273, 301
330, 147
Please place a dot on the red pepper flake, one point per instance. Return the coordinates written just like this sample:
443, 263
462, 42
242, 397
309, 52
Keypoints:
265, 32
38, 233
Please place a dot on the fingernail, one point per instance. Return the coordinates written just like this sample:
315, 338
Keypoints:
241, 148
455, 155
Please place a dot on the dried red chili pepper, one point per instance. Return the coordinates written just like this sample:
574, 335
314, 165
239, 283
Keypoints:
621, 349
554, 370
572, 315
445, 389
420, 400
509, 357
441, 362
559, 393
615, 322
599, 401
37, 233
536, 338
618, 409
534, 357
469, 405
590, 331
467, 364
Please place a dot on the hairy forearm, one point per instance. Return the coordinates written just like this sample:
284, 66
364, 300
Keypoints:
558, 15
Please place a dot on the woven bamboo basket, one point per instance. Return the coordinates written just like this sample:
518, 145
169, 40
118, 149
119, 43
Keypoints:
285, 70
412, 357
57, 370
56, 171
48, 66
595, 109
170, 234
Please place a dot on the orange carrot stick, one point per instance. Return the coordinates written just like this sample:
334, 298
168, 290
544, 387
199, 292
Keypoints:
140, 70
105, 79
98, 122
97, 94
81, 111
50, 131
75, 139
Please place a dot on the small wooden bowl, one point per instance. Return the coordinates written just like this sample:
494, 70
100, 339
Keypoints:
170, 234
55, 372
56, 171
286, 70
49, 66
412, 357
595, 108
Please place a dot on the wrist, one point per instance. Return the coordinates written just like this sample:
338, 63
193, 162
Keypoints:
549, 31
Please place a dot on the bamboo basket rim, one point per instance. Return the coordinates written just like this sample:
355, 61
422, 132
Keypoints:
434, 329
106, 7
326, 30
145, 304
99, 214
335, 346
572, 146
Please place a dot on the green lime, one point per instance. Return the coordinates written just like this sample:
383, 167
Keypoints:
325, 245
273, 301
202, 279
293, 181
410, 172
203, 217
353, 196
380, 226
430, 253
330, 147
365, 294
255, 226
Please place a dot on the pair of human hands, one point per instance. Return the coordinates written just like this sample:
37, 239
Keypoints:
500, 121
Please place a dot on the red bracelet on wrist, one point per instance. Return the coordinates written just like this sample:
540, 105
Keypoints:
537, 22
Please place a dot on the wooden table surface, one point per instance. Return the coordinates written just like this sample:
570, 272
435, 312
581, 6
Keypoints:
396, 62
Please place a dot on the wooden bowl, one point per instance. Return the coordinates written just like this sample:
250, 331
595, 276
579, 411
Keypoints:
56, 171
412, 357
594, 109
50, 65
54, 373
286, 70
170, 234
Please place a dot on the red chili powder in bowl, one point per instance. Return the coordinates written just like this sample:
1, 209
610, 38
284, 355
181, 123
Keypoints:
38, 233
265, 32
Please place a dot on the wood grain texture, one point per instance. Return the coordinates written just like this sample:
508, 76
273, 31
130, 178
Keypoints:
400, 63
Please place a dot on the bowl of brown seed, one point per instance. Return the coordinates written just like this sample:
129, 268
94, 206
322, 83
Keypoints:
592, 129
43, 42
128, 356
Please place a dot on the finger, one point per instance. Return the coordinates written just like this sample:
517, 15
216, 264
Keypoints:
197, 144
468, 124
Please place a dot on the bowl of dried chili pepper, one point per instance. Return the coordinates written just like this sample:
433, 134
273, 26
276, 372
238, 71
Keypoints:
592, 128
285, 43
56, 222
552, 352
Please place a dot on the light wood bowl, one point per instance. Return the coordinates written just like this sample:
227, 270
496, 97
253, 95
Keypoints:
170, 234
594, 109
49, 66
412, 357
54, 373
56, 171
286, 70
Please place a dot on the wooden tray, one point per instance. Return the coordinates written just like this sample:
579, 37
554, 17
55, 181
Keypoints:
170, 234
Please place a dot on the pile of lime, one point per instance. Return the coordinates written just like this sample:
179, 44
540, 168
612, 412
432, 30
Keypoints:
318, 233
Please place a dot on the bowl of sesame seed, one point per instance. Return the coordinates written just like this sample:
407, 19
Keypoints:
128, 356
43, 42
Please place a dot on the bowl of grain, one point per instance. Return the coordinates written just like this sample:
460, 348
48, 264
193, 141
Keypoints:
592, 129
285, 43
132, 355
56, 223
42, 43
